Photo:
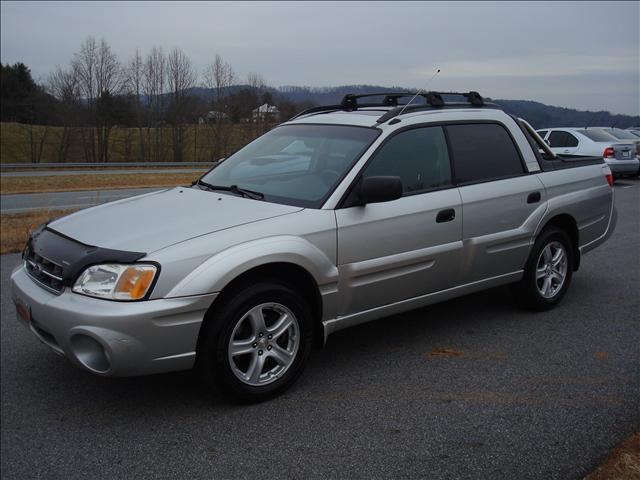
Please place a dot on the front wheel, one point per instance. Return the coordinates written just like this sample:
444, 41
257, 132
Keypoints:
255, 344
547, 273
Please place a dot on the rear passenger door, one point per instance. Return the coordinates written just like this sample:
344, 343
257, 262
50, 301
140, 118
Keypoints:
501, 202
397, 250
563, 143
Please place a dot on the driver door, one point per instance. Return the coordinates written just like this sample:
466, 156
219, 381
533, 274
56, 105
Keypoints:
405, 248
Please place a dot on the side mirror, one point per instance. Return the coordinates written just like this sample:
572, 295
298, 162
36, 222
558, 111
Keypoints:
379, 189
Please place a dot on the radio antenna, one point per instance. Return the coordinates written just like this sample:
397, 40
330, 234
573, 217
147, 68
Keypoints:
419, 91
591, 120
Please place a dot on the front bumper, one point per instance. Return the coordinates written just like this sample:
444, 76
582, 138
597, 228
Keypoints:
623, 167
113, 338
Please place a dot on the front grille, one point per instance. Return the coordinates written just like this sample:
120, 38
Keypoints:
44, 272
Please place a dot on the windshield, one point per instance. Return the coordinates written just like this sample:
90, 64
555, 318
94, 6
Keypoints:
295, 164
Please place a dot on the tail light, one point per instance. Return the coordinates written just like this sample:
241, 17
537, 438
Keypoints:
607, 173
609, 152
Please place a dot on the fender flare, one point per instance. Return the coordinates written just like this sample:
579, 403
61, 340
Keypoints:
223, 267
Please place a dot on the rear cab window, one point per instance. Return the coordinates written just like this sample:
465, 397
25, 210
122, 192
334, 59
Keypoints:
483, 152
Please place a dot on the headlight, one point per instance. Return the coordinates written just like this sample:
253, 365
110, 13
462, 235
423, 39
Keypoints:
116, 282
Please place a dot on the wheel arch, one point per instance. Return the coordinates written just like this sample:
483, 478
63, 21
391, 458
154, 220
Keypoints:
566, 223
286, 259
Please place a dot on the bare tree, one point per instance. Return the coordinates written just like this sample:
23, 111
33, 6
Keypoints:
153, 87
110, 82
135, 77
259, 123
180, 78
84, 65
219, 77
64, 85
36, 136
100, 77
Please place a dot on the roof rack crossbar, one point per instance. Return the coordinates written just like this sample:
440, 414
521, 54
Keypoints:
337, 108
324, 108
390, 99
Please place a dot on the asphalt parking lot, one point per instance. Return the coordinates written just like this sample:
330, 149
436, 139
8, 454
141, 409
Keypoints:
471, 388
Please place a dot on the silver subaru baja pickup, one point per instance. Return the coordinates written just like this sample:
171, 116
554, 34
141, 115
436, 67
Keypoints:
342, 215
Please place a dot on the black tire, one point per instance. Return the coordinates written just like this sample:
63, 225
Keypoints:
213, 364
526, 291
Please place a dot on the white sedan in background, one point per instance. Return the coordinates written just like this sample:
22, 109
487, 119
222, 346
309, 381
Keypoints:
620, 155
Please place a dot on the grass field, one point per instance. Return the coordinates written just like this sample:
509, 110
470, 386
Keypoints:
623, 463
67, 183
21, 143
15, 228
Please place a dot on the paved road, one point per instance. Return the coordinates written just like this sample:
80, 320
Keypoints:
49, 173
30, 202
532, 396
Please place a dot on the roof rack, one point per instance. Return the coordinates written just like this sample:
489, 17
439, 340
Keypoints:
433, 100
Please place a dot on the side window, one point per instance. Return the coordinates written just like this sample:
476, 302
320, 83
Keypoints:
418, 156
558, 139
542, 133
483, 151
571, 141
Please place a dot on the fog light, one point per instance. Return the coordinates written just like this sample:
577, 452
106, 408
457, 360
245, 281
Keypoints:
90, 353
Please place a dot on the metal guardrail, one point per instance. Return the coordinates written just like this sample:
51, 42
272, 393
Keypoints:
29, 166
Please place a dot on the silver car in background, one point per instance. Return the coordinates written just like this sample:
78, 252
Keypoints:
342, 215
620, 154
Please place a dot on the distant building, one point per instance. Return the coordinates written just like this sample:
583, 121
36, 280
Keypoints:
265, 112
214, 116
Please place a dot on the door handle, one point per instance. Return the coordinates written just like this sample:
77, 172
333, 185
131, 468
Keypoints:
445, 215
534, 197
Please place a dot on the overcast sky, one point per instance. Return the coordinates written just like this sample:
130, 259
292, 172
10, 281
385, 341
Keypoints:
582, 55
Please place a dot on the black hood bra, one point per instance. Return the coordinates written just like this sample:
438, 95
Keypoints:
70, 256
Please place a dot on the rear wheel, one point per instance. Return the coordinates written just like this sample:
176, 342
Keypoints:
255, 344
548, 271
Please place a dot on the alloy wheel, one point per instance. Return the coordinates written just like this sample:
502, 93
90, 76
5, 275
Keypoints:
551, 269
264, 344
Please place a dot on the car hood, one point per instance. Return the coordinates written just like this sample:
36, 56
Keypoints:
152, 221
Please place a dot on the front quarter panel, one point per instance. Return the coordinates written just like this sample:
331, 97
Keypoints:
219, 270
208, 263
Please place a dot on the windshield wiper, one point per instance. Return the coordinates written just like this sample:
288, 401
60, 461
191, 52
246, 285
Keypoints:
243, 192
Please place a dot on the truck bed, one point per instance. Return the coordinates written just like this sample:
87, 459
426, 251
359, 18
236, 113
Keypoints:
568, 161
